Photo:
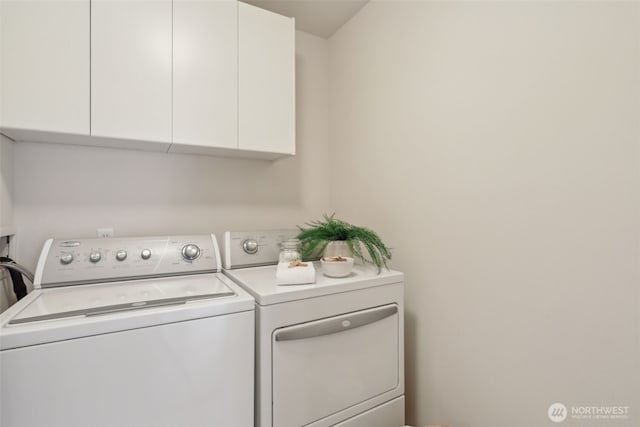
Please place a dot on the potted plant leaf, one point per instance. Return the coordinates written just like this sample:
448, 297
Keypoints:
363, 243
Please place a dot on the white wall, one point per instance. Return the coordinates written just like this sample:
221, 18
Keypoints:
69, 191
496, 147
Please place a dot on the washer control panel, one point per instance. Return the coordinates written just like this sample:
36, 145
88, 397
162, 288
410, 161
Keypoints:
82, 261
253, 248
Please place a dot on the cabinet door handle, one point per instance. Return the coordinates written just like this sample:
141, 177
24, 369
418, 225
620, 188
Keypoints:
336, 324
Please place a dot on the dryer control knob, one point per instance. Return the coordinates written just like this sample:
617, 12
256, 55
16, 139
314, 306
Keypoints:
190, 252
145, 254
95, 256
66, 258
250, 246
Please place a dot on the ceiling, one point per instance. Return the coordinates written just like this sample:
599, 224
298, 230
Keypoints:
319, 17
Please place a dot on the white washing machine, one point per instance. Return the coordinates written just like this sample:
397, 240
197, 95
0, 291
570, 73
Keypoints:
129, 332
329, 353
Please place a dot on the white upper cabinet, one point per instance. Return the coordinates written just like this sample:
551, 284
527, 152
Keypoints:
266, 90
205, 75
44, 65
131, 69
187, 76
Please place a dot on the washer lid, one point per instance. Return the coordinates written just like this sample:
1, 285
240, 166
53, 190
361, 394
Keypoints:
92, 300
87, 310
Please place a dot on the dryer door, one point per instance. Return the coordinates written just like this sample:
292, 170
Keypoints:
328, 365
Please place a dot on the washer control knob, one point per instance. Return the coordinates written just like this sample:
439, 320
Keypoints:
145, 254
190, 252
66, 258
95, 256
250, 246
121, 255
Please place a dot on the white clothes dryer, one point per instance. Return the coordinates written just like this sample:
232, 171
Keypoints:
129, 332
329, 353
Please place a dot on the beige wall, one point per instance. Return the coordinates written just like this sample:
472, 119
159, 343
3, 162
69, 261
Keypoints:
66, 191
496, 147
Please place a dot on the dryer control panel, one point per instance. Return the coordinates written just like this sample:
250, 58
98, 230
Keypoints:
81, 261
253, 248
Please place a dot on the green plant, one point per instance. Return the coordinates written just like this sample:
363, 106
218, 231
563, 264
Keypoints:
362, 241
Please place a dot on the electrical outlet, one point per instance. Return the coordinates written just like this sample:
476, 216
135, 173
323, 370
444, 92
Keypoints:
104, 232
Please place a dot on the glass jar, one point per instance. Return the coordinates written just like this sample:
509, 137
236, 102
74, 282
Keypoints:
290, 251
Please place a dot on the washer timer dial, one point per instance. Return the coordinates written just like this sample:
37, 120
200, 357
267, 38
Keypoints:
190, 252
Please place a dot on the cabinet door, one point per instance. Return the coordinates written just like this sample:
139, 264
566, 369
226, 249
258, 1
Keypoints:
266, 81
131, 69
205, 73
45, 65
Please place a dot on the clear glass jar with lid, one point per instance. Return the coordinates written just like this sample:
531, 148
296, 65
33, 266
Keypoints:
289, 251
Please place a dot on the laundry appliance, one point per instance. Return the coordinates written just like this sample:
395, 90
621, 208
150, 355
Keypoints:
329, 353
129, 332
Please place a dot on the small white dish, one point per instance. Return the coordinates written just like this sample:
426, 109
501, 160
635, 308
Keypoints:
338, 266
